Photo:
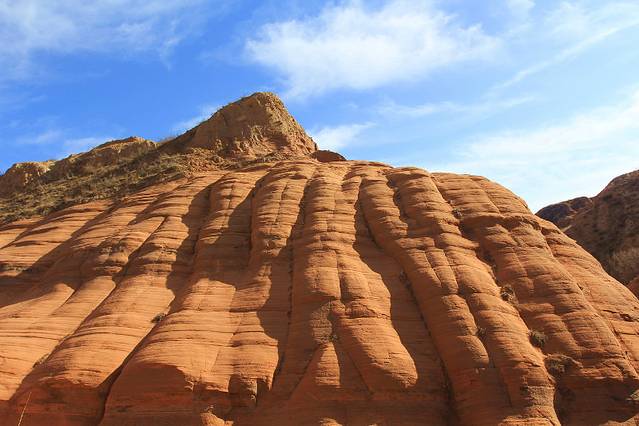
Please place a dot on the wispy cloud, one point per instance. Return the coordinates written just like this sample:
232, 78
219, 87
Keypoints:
205, 112
557, 161
486, 107
357, 47
520, 9
581, 29
62, 141
29, 28
338, 137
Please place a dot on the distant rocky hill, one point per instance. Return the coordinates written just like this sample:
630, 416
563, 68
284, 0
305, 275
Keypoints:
237, 276
607, 225
253, 129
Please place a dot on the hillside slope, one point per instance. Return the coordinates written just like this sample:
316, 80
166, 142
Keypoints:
302, 292
607, 225
253, 129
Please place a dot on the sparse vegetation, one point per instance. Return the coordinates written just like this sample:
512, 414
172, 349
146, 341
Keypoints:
480, 332
158, 318
403, 278
507, 293
537, 338
557, 364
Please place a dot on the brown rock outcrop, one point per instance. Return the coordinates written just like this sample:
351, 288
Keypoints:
255, 129
18, 176
308, 291
107, 154
562, 214
607, 225
252, 127
326, 156
302, 292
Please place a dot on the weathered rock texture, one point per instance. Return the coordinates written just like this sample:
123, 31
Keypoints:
311, 293
254, 129
607, 225
303, 292
562, 214
21, 174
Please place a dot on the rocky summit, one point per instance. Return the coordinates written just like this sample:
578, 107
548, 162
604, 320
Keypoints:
261, 282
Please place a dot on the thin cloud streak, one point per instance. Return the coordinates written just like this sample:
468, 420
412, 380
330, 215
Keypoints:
337, 137
487, 107
30, 29
604, 142
569, 21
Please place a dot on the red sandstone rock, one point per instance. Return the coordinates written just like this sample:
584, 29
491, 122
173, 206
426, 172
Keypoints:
311, 293
326, 156
303, 292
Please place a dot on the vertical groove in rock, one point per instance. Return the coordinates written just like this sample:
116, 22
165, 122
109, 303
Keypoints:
61, 305
506, 329
577, 342
262, 300
104, 323
188, 340
610, 298
414, 240
299, 341
303, 292
24, 262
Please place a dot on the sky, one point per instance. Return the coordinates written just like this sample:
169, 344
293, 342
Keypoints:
540, 96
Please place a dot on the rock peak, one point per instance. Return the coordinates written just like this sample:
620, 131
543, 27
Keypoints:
254, 126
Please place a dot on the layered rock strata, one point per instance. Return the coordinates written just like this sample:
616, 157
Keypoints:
302, 292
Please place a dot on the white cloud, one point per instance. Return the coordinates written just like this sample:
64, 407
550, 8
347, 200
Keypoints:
337, 137
60, 139
486, 107
205, 112
520, 9
44, 138
29, 28
578, 29
558, 161
356, 47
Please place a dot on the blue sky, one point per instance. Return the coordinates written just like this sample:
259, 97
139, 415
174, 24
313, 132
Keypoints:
541, 96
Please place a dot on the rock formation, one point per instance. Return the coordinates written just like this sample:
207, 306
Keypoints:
607, 225
22, 174
562, 214
254, 129
307, 292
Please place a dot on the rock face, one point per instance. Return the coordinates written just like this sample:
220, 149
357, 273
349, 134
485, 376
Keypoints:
302, 292
107, 154
607, 225
562, 214
311, 293
255, 129
18, 176
254, 126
